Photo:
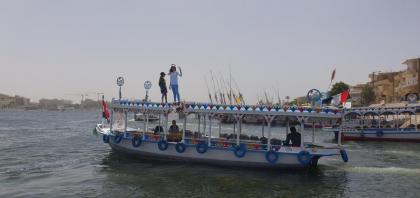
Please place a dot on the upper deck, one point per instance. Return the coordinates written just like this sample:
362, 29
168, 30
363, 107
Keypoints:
203, 108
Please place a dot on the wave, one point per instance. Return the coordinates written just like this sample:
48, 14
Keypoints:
385, 170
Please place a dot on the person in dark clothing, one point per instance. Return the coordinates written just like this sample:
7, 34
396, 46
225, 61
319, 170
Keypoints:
294, 136
174, 128
163, 88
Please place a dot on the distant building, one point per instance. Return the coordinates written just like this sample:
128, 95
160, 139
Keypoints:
54, 104
398, 86
356, 94
6, 101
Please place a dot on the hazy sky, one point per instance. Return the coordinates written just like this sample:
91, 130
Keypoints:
57, 48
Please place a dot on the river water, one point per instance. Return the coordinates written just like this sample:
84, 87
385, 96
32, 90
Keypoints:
56, 154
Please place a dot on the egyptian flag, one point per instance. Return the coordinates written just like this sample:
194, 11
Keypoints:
341, 98
105, 111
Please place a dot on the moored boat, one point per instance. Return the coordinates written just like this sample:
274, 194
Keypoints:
206, 147
379, 124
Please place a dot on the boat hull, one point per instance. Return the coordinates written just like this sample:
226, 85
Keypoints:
390, 136
287, 156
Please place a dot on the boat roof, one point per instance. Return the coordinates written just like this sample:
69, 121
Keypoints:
381, 110
205, 108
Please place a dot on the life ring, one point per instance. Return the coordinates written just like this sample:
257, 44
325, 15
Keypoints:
344, 155
105, 138
271, 156
379, 133
201, 147
136, 141
180, 147
239, 151
304, 158
163, 145
118, 138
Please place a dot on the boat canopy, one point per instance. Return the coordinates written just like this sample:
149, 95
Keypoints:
381, 111
202, 108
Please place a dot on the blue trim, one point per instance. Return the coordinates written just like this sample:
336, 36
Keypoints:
180, 147
105, 138
304, 158
379, 133
117, 138
202, 147
163, 145
271, 156
240, 151
344, 155
136, 141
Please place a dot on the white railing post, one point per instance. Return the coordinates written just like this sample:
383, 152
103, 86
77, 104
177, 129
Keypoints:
210, 123
125, 124
313, 132
111, 120
185, 128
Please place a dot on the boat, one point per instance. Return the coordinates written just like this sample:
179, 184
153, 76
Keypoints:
142, 117
211, 147
378, 124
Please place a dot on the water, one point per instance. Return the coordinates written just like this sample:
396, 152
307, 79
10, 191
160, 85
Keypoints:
55, 154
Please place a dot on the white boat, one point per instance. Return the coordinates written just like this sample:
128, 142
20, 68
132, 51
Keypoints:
149, 117
379, 124
206, 148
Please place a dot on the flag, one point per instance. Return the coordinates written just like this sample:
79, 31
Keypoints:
333, 75
340, 99
105, 111
344, 96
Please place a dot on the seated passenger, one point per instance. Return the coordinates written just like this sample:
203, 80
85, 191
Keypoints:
294, 136
158, 130
173, 128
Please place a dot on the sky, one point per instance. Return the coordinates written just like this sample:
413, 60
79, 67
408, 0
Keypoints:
62, 49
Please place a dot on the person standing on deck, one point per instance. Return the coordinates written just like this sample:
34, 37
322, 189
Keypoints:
173, 84
163, 88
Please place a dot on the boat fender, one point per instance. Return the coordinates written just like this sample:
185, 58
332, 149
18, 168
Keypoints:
271, 156
344, 155
118, 138
304, 158
136, 141
379, 133
180, 147
163, 145
105, 138
239, 151
202, 148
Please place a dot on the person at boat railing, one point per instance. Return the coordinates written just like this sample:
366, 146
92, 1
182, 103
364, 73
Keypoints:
173, 83
294, 136
163, 88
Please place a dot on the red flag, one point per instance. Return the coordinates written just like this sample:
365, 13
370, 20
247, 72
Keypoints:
105, 111
344, 96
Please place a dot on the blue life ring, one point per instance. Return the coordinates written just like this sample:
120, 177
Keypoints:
136, 141
304, 158
180, 147
271, 156
118, 138
344, 155
202, 147
379, 133
163, 145
239, 151
105, 138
